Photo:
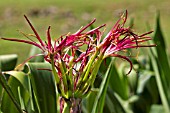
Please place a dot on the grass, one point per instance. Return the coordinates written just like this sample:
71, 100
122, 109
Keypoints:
68, 16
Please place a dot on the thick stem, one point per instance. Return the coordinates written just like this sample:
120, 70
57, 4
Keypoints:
76, 105
73, 105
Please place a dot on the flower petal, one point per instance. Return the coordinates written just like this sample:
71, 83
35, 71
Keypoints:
35, 32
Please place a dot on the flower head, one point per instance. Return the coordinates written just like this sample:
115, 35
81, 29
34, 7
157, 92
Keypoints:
121, 38
76, 58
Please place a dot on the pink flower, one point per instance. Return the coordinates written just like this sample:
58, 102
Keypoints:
120, 38
75, 73
71, 42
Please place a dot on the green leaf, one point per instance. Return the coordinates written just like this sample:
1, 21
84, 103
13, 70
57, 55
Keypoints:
88, 102
34, 50
25, 96
147, 93
117, 79
161, 88
100, 99
132, 82
158, 37
8, 62
115, 104
104, 66
161, 53
148, 88
10, 103
118, 82
160, 66
44, 87
157, 109
21, 77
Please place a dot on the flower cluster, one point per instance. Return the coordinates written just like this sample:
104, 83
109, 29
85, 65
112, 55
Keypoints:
76, 58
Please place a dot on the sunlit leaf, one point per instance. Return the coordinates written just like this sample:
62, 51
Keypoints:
27, 98
10, 102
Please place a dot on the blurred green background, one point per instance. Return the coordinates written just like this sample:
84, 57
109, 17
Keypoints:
69, 15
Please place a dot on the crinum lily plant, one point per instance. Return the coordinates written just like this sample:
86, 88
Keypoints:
75, 73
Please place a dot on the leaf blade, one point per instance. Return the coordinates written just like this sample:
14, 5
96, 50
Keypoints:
44, 94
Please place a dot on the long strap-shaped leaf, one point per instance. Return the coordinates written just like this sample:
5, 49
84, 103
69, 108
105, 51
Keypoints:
160, 84
100, 99
9, 92
161, 52
161, 66
43, 87
21, 88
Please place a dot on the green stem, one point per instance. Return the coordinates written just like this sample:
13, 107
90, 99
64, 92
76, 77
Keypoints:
70, 78
95, 71
54, 70
63, 72
95, 68
86, 83
86, 70
57, 79
89, 67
